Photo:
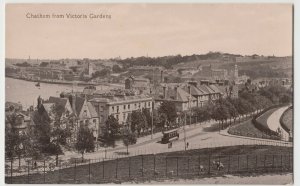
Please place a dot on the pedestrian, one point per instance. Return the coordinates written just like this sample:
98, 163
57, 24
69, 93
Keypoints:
35, 165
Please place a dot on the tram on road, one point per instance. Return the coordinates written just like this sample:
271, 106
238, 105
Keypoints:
169, 136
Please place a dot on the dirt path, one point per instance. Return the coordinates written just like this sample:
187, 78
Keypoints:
277, 179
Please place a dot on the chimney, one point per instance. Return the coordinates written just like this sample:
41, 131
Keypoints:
176, 89
164, 91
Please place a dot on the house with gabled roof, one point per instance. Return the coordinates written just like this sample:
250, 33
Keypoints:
182, 99
86, 114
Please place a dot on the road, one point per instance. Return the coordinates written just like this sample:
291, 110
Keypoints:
273, 122
196, 136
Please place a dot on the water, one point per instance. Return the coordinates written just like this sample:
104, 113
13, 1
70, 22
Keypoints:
26, 93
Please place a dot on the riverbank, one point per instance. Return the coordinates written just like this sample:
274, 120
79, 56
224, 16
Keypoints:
79, 83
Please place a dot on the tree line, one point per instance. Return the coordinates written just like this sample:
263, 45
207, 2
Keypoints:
52, 136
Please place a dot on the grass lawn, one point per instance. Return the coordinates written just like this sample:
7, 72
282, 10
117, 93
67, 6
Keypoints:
183, 164
247, 128
287, 119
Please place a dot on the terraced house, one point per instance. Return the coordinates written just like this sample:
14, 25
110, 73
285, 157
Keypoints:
120, 106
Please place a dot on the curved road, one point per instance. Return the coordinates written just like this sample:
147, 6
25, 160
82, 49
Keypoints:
273, 122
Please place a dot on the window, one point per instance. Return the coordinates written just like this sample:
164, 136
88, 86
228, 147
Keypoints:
101, 118
117, 108
85, 113
124, 116
149, 104
101, 108
117, 117
139, 105
113, 108
129, 106
124, 107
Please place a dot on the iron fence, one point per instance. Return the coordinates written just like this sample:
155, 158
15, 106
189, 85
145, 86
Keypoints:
151, 166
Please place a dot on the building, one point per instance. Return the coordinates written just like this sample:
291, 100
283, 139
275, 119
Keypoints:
208, 72
140, 84
182, 99
63, 102
16, 118
86, 114
119, 106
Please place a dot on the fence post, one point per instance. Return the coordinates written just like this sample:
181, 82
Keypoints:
281, 162
89, 170
75, 171
117, 168
209, 164
199, 163
228, 164
177, 166
103, 168
247, 162
129, 165
44, 171
238, 162
273, 166
188, 165
28, 171
265, 161
166, 166
154, 166
289, 161
59, 167
11, 170
142, 165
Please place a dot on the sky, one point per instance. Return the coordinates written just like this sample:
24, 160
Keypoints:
147, 30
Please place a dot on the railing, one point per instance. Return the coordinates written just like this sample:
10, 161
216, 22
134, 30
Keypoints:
151, 166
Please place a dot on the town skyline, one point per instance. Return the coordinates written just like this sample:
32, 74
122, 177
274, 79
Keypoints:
184, 29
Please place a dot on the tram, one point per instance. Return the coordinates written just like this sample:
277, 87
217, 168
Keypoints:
169, 136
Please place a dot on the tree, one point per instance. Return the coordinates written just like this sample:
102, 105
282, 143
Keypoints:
111, 131
41, 130
44, 64
220, 113
138, 121
11, 142
85, 140
169, 109
129, 138
203, 113
233, 113
148, 118
116, 69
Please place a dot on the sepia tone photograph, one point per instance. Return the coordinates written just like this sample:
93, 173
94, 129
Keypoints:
142, 93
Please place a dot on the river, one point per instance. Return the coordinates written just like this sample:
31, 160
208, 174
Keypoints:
26, 93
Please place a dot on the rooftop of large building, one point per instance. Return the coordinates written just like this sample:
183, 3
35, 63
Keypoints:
118, 99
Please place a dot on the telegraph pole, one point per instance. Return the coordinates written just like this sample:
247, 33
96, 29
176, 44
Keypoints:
152, 118
152, 104
184, 131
